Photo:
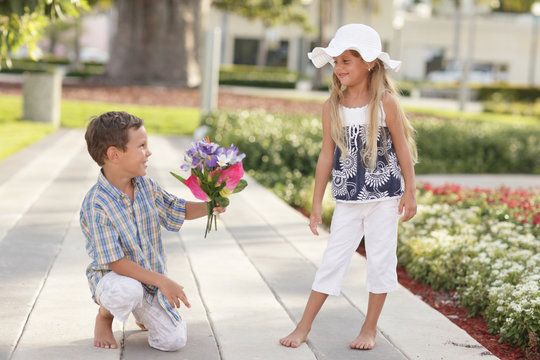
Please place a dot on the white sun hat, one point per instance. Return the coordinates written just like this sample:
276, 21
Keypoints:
362, 38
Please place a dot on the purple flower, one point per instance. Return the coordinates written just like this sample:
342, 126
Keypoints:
229, 156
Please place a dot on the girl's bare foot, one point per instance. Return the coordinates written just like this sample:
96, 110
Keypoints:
141, 325
294, 339
365, 340
103, 334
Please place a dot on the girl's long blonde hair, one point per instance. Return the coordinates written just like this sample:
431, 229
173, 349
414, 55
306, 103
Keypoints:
378, 84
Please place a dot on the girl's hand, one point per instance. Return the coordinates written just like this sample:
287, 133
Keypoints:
315, 219
407, 206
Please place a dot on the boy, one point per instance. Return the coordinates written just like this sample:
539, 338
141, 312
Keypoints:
121, 217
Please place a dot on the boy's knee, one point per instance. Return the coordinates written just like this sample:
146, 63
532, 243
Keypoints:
120, 295
171, 341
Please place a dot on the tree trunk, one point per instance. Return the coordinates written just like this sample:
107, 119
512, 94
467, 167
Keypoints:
156, 43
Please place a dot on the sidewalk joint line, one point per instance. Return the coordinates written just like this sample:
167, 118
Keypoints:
42, 286
198, 285
316, 352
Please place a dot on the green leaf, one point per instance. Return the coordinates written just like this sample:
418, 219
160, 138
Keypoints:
177, 176
223, 202
240, 186
215, 177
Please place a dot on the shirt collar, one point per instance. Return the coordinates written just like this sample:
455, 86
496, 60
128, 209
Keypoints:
110, 189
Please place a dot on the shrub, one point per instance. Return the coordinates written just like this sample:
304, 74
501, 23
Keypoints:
508, 93
476, 147
283, 149
245, 75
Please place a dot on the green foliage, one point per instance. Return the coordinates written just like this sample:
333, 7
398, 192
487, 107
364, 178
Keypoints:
270, 12
515, 6
476, 147
514, 107
19, 66
282, 148
245, 75
23, 21
508, 93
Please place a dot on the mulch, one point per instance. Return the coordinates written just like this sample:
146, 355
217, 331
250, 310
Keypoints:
444, 302
162, 96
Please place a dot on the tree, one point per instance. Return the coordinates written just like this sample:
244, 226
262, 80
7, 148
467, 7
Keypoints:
22, 22
270, 13
157, 42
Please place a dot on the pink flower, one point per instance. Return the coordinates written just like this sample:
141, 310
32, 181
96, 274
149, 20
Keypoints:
194, 184
232, 176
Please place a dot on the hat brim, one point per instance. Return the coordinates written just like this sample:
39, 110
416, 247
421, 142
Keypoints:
321, 56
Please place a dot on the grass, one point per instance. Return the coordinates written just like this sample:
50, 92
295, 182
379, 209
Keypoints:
16, 133
157, 119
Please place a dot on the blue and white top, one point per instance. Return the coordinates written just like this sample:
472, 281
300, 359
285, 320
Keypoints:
352, 181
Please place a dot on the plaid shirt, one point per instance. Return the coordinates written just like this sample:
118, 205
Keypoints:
115, 227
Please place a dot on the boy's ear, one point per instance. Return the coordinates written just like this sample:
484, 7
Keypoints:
112, 154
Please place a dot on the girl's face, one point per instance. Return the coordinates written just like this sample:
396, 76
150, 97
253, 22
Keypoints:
350, 69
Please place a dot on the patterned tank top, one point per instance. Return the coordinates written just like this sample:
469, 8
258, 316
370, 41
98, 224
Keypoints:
352, 181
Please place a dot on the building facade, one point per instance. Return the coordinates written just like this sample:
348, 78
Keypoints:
432, 44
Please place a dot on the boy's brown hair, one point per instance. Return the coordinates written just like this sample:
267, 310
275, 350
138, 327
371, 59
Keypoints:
109, 129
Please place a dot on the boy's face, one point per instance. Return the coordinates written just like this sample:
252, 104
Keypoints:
133, 160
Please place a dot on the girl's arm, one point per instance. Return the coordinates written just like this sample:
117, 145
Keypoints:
323, 170
395, 126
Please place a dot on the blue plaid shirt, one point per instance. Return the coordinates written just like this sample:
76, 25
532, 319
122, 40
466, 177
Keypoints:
115, 227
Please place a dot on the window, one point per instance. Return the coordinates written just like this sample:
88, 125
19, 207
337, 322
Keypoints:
245, 51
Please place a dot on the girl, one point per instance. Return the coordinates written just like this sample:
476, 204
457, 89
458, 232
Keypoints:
367, 142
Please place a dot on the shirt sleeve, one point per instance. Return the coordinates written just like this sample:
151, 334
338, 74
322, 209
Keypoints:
171, 209
102, 236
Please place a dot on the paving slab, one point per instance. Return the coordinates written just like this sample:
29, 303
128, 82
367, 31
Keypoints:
62, 320
35, 174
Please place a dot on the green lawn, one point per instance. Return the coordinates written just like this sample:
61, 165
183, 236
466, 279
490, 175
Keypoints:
16, 134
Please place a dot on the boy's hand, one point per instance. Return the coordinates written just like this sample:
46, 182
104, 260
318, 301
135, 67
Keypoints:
173, 292
219, 210
407, 206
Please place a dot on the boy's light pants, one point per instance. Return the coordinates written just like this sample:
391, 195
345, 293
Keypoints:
378, 222
122, 295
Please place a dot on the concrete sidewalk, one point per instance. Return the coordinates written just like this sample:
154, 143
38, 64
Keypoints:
248, 282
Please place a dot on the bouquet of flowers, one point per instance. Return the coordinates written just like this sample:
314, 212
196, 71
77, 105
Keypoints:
216, 173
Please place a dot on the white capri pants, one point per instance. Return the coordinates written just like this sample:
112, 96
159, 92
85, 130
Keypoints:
378, 222
122, 295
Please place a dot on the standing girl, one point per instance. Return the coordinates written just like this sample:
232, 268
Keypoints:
367, 143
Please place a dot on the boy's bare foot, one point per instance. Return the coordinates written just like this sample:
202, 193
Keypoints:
103, 334
365, 340
295, 339
141, 325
